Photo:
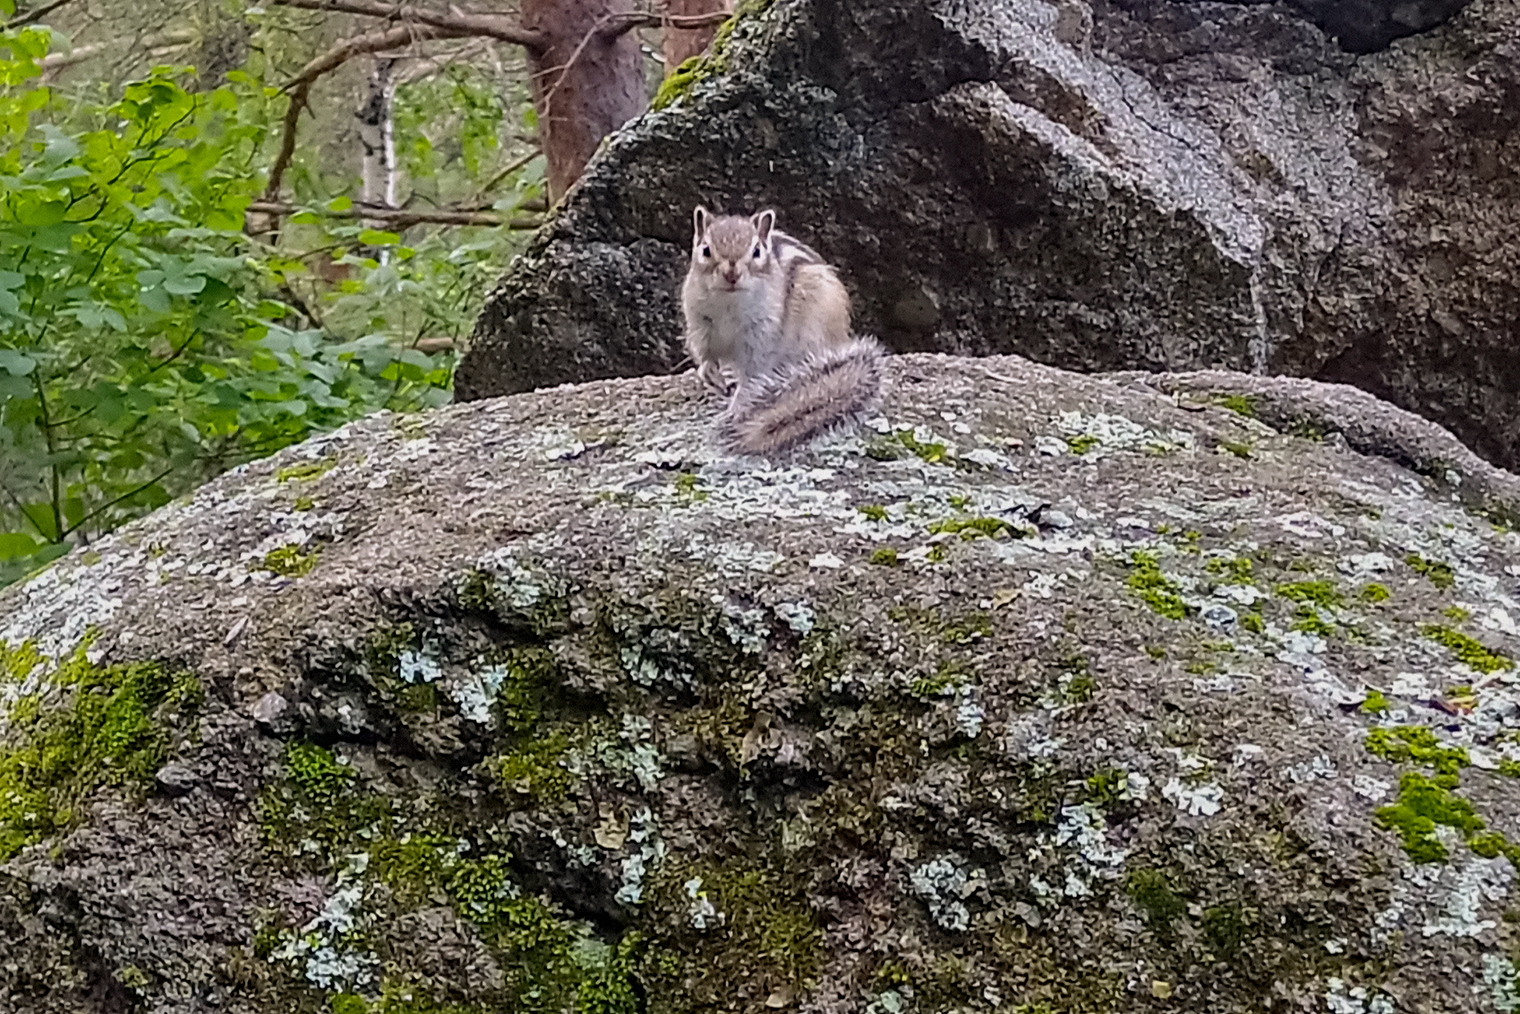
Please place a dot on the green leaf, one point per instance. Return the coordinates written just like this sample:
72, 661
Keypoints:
40, 213
41, 515
13, 544
375, 237
339, 204
16, 364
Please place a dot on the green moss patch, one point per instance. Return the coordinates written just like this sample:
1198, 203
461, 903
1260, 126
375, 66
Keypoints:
535, 773
1437, 573
1081, 444
1317, 593
93, 726
1235, 570
1240, 404
289, 561
971, 528
762, 932
1423, 803
1152, 891
715, 61
1415, 744
1152, 586
1469, 651
303, 471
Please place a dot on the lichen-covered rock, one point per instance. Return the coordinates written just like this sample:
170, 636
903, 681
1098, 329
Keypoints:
1148, 184
1043, 693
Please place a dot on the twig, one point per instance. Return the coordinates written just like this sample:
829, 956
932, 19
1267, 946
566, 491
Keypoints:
492, 25
28, 17
287, 140
373, 42
620, 24
509, 170
112, 503
400, 217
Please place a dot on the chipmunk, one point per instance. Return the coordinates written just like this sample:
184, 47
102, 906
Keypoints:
765, 306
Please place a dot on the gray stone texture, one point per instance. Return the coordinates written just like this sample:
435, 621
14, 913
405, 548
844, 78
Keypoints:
1182, 185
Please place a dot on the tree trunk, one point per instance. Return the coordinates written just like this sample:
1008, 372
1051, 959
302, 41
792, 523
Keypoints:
376, 134
683, 43
587, 81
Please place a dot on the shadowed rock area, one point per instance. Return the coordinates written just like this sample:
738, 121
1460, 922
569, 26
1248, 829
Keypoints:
1045, 692
1142, 184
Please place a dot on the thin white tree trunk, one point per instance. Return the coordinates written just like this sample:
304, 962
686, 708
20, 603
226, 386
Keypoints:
377, 134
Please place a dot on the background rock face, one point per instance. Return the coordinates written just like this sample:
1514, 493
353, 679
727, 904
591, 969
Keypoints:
1184, 185
1046, 692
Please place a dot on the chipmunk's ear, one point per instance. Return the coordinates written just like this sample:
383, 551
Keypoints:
699, 220
763, 223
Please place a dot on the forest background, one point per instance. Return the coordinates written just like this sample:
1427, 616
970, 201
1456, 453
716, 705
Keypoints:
225, 226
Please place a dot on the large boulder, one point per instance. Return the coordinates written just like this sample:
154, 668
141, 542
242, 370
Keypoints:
1141, 184
1043, 693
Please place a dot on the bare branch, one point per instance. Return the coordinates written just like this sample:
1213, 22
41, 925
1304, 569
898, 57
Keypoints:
400, 218
31, 17
493, 25
287, 140
156, 45
510, 169
619, 24
373, 42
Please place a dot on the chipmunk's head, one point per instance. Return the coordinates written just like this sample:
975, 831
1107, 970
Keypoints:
732, 249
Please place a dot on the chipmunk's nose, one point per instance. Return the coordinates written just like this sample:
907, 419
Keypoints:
731, 273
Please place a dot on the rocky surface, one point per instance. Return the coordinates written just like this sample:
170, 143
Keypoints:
1140, 184
1043, 693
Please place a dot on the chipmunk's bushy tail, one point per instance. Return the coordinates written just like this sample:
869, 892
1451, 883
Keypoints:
826, 392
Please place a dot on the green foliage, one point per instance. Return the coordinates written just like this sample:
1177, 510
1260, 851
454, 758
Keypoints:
92, 726
885, 556
148, 342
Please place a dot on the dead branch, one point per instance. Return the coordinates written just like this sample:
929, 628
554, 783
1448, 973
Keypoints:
287, 140
372, 42
510, 169
400, 218
619, 24
30, 17
492, 25
155, 45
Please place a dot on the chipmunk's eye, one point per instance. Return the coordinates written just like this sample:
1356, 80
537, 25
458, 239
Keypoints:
756, 254
706, 251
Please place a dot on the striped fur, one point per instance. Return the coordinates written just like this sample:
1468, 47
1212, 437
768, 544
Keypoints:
828, 391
